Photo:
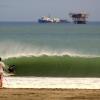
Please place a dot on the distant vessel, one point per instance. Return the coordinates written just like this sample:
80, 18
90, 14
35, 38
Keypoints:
79, 18
46, 19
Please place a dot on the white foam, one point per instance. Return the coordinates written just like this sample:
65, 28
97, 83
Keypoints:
38, 53
51, 82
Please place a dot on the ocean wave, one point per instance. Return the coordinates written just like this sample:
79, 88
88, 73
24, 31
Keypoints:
38, 53
49, 53
11, 49
59, 66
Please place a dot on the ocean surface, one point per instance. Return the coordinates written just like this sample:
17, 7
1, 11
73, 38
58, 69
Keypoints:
51, 50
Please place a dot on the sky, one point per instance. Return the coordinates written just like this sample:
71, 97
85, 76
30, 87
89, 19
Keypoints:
31, 10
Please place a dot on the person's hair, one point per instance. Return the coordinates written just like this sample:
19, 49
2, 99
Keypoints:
0, 58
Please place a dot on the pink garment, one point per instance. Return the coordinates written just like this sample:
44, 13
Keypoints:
1, 67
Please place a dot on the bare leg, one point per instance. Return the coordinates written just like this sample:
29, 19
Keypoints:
1, 80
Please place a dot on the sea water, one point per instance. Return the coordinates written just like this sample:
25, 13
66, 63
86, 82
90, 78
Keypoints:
27, 38
51, 50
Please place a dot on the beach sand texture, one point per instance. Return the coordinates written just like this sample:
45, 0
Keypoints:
49, 94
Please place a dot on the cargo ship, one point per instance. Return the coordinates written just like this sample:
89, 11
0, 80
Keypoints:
46, 19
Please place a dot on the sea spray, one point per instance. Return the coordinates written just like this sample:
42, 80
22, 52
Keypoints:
11, 49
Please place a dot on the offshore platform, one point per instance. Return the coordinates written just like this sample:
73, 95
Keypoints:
79, 18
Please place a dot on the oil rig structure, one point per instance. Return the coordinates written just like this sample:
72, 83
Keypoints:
79, 18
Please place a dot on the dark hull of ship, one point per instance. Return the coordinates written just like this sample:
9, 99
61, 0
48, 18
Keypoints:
45, 21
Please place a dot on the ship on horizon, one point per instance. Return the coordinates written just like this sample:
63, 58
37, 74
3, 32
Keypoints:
47, 19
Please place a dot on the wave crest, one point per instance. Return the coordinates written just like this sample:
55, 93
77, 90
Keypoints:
11, 49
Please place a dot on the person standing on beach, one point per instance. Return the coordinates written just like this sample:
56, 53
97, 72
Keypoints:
2, 65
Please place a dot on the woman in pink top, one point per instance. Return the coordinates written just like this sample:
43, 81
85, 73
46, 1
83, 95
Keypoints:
2, 65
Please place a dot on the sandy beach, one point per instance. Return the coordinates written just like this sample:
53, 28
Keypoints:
49, 94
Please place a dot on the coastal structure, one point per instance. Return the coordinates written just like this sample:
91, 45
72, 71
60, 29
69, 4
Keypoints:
46, 19
79, 18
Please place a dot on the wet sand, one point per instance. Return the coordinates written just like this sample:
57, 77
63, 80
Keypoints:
49, 94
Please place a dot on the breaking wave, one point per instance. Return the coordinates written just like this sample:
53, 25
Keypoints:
12, 49
58, 66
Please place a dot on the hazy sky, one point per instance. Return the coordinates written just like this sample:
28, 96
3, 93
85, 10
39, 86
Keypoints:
31, 10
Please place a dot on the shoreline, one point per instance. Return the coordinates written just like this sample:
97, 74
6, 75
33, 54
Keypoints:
49, 94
